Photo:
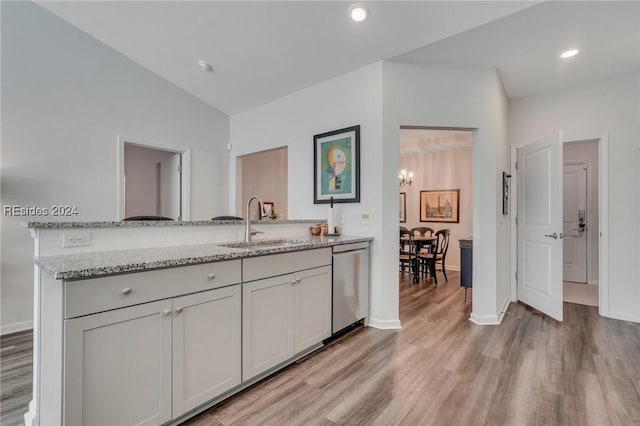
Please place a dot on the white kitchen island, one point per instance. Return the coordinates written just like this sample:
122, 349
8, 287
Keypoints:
156, 335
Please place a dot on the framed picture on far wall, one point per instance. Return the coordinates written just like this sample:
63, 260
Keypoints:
440, 206
336, 166
403, 207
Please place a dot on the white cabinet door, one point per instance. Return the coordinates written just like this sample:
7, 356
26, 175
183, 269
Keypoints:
118, 367
206, 346
267, 314
312, 302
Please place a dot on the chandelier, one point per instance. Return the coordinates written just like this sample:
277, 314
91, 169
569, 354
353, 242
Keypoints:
405, 178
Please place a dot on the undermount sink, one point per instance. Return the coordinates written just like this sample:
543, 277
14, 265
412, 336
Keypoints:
265, 244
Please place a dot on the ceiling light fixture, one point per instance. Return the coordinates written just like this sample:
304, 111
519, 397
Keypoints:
205, 66
569, 53
358, 12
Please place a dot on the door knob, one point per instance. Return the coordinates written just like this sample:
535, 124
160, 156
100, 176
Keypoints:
554, 236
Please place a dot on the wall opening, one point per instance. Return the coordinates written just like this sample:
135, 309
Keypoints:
153, 180
580, 225
264, 174
441, 161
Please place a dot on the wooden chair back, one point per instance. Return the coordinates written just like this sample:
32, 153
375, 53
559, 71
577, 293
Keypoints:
406, 241
422, 231
443, 242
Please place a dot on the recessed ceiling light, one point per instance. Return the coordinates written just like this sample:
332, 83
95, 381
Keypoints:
358, 12
569, 53
205, 66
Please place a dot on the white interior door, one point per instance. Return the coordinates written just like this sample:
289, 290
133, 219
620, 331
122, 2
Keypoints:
539, 168
170, 198
574, 183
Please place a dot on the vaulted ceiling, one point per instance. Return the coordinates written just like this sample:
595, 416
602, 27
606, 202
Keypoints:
263, 50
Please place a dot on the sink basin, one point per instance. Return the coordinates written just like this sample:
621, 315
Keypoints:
264, 244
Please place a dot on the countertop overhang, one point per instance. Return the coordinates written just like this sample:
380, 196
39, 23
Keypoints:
104, 263
140, 223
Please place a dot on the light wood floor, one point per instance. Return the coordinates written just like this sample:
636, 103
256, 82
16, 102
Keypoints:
16, 353
441, 369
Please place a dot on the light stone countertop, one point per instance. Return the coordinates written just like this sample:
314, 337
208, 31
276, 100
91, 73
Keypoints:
133, 224
98, 264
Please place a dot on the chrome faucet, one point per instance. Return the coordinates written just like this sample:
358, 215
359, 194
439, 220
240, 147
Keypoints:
248, 233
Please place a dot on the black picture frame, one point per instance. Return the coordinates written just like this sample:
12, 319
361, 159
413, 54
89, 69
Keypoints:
505, 193
342, 145
403, 207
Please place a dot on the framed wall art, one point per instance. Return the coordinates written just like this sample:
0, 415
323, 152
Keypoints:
440, 206
336, 166
505, 193
403, 207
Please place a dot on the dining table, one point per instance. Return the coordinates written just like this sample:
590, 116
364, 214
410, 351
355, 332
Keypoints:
419, 242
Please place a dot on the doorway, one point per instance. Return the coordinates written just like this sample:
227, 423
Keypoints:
580, 222
264, 174
437, 163
152, 180
544, 187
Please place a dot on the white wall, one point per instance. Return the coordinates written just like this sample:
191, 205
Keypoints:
264, 174
458, 98
350, 99
447, 169
607, 106
588, 152
65, 99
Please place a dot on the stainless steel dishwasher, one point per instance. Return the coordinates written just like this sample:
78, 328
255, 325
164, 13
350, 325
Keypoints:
350, 285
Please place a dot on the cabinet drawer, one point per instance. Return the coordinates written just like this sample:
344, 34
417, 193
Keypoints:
256, 268
85, 297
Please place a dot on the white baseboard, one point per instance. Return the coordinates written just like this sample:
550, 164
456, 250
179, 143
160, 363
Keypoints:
623, 316
385, 324
16, 327
29, 416
491, 319
505, 306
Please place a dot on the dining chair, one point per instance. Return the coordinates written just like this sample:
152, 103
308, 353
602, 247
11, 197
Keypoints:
429, 258
407, 255
422, 231
146, 218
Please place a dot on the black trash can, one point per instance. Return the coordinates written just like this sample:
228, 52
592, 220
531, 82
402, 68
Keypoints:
466, 264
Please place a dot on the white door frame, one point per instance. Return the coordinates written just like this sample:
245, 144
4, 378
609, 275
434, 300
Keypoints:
603, 219
186, 171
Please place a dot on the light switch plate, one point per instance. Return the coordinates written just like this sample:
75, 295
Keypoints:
76, 239
365, 218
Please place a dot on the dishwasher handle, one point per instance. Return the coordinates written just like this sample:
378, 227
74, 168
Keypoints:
348, 253
350, 247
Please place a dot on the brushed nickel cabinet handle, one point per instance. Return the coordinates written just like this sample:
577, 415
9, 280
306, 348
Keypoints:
166, 312
211, 276
126, 291
179, 309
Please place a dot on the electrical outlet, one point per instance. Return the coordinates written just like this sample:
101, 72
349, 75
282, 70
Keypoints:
76, 239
